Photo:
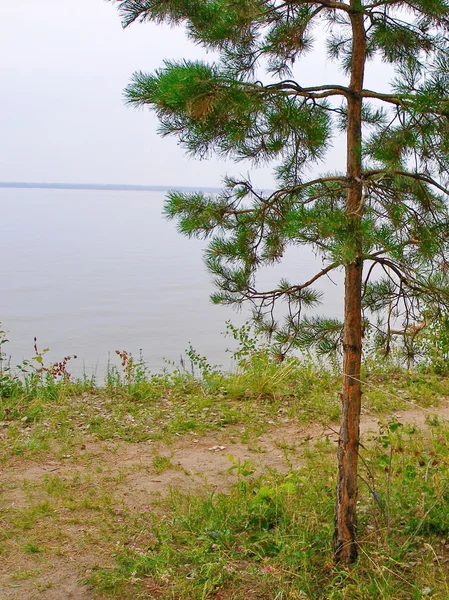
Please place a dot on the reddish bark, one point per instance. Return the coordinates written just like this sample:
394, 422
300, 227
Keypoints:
345, 544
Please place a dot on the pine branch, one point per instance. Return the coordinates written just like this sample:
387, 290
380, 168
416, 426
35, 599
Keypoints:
279, 292
408, 279
279, 194
416, 176
338, 6
407, 102
290, 86
389, 98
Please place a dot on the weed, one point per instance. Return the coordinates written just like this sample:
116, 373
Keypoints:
32, 548
161, 464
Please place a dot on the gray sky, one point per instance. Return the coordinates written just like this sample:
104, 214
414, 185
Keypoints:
62, 118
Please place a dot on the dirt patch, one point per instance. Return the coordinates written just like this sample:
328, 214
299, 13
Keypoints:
133, 476
57, 579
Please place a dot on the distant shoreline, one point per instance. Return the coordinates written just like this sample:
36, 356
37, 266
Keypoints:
103, 187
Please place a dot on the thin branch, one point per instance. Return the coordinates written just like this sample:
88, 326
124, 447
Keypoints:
315, 92
417, 176
295, 288
275, 196
405, 278
390, 98
329, 4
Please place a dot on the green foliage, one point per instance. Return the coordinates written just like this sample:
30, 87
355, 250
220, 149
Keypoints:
9, 381
226, 107
31, 374
434, 344
219, 114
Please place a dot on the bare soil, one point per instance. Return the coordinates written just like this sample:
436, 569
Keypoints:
126, 471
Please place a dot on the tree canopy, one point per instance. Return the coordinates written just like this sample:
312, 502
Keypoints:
384, 219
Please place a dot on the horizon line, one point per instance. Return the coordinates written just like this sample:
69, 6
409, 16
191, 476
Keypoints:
101, 186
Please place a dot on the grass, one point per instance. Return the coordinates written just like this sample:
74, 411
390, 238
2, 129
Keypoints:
269, 535
57, 416
76, 456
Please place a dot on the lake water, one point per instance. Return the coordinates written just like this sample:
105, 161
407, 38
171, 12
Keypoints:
88, 272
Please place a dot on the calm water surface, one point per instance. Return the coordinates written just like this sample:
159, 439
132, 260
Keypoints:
89, 272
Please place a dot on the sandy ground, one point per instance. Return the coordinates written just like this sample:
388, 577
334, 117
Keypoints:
197, 463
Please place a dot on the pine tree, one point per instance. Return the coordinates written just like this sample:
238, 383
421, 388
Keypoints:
383, 221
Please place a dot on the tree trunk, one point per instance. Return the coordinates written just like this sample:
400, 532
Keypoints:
345, 544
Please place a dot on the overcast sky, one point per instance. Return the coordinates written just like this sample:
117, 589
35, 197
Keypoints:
63, 67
